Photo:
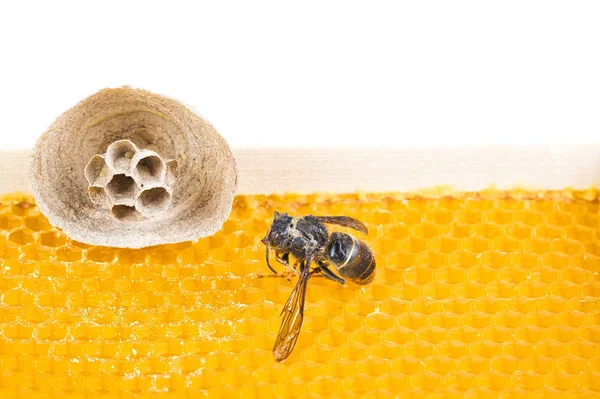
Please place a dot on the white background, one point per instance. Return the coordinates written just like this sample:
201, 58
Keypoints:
317, 73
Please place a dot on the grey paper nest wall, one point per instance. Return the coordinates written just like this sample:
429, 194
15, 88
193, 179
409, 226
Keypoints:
129, 168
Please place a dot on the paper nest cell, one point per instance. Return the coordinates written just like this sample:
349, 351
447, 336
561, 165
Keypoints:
130, 182
129, 168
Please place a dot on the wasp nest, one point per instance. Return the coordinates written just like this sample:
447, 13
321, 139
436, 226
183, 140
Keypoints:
129, 168
130, 182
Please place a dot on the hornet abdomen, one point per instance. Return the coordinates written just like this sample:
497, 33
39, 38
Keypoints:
351, 258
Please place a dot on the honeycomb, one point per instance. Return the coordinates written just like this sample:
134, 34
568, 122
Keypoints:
476, 295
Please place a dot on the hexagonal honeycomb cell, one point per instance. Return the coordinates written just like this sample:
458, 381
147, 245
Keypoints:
484, 294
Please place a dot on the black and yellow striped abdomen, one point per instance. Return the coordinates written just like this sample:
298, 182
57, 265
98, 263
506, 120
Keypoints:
351, 258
